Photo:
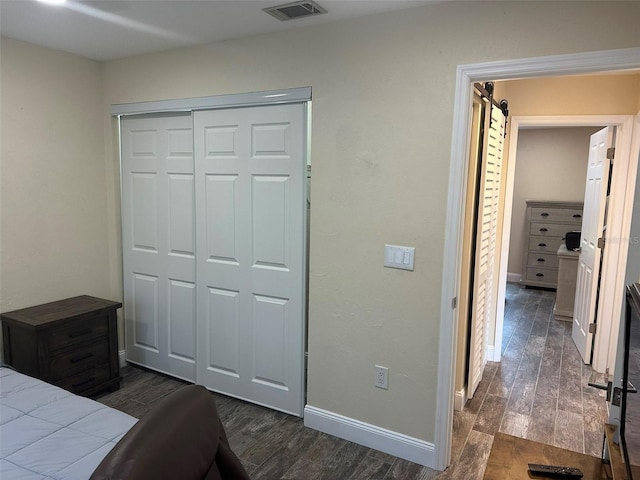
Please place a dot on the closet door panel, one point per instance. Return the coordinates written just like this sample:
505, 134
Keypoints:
144, 193
222, 319
145, 312
182, 320
271, 222
221, 222
181, 228
270, 326
250, 173
159, 243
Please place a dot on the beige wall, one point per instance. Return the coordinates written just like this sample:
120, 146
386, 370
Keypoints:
584, 95
53, 204
551, 165
382, 112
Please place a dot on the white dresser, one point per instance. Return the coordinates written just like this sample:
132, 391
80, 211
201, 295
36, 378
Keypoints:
546, 225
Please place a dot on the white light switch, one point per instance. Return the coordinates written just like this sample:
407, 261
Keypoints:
396, 256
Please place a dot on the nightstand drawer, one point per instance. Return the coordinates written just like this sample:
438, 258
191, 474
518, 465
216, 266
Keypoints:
79, 359
85, 380
89, 327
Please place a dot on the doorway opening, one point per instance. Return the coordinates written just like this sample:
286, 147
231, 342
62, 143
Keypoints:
575, 64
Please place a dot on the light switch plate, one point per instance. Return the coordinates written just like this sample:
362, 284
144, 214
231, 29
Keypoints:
396, 256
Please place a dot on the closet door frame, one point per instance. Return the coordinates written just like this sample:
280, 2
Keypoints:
300, 95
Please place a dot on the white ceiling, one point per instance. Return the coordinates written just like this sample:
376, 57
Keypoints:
112, 29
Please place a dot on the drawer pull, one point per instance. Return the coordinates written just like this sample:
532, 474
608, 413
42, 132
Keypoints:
544, 229
544, 214
577, 215
84, 382
80, 333
539, 274
79, 358
542, 245
541, 260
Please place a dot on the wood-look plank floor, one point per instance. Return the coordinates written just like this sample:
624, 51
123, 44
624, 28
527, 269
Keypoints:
539, 391
270, 444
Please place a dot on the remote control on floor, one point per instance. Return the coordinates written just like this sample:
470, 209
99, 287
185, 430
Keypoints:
554, 471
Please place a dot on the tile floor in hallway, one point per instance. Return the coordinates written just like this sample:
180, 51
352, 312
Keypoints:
539, 391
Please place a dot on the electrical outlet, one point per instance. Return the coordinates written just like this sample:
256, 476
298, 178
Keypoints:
382, 377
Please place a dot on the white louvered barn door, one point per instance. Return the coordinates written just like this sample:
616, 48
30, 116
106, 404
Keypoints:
159, 243
486, 256
250, 204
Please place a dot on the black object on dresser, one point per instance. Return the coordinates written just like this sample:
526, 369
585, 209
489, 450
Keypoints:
72, 343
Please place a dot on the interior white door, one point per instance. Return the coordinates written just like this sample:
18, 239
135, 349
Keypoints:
250, 209
486, 255
592, 229
159, 243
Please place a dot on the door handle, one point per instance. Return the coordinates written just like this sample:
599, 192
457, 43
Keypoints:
542, 245
544, 229
541, 260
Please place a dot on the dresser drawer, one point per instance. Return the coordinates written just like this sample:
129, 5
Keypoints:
79, 359
85, 328
542, 260
541, 275
545, 244
562, 215
85, 380
549, 229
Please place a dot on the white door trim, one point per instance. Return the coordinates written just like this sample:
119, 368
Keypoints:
579, 63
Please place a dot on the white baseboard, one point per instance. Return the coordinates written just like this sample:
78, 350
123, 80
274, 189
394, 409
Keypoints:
460, 399
387, 441
491, 354
122, 358
514, 277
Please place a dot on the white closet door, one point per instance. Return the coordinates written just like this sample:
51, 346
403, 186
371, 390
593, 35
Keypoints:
250, 206
486, 256
158, 243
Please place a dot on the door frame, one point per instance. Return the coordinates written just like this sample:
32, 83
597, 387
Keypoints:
618, 226
466, 75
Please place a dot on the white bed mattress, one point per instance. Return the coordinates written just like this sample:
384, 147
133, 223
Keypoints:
49, 433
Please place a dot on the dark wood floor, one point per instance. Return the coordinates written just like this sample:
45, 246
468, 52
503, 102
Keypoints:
538, 392
271, 445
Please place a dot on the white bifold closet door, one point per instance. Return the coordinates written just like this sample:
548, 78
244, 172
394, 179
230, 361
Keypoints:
159, 243
250, 173
213, 248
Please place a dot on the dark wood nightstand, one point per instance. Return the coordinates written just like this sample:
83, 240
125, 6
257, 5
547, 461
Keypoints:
72, 343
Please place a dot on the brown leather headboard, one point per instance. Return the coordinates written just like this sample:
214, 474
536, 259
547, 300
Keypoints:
181, 438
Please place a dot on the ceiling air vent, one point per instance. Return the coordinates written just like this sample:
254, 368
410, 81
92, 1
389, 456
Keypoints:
293, 10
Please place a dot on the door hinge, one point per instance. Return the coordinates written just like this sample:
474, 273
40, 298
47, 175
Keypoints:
611, 153
592, 328
454, 303
601, 242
